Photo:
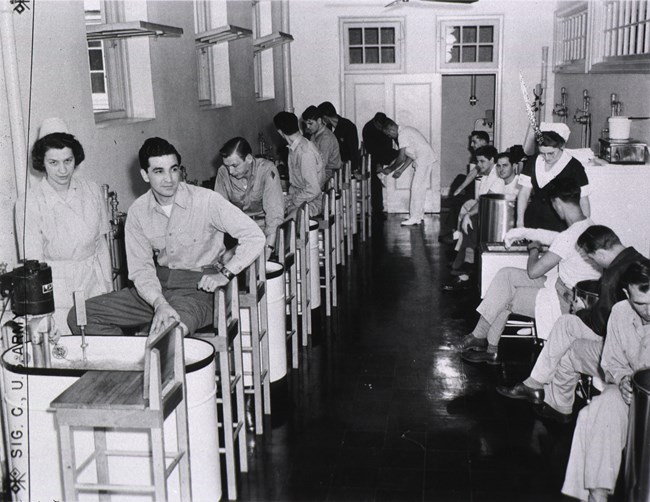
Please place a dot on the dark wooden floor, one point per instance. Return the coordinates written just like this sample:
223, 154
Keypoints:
383, 409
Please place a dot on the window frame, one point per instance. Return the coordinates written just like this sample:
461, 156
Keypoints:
345, 24
578, 65
263, 59
496, 22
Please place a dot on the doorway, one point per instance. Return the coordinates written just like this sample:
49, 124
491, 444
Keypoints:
459, 117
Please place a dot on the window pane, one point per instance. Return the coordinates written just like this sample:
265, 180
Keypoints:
469, 34
355, 36
371, 36
388, 36
97, 83
455, 54
372, 55
456, 33
469, 55
486, 34
94, 43
485, 54
356, 56
387, 54
96, 60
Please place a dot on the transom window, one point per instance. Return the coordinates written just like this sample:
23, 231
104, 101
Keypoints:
571, 39
372, 45
469, 44
627, 29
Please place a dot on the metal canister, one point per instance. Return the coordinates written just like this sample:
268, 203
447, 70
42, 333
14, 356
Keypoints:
30, 287
496, 216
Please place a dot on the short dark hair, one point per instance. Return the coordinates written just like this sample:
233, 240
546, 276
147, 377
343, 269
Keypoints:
517, 153
311, 113
552, 139
482, 135
505, 155
156, 147
597, 237
56, 141
236, 145
327, 109
567, 190
487, 151
637, 274
286, 122
387, 123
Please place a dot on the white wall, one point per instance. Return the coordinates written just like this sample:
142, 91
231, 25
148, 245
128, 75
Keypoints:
528, 25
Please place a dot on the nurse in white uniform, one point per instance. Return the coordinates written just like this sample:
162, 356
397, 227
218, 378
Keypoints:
62, 220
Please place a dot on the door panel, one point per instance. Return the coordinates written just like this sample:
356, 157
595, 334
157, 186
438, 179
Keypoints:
409, 100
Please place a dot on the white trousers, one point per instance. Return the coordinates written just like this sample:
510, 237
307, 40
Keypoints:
419, 183
598, 442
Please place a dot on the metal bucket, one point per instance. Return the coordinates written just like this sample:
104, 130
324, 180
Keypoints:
637, 461
33, 448
496, 216
587, 291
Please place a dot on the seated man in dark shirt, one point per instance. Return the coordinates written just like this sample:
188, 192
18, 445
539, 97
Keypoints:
380, 148
345, 132
576, 340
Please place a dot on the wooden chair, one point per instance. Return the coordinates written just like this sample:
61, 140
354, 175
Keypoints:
304, 271
340, 227
349, 207
366, 198
226, 340
285, 246
252, 299
327, 249
102, 400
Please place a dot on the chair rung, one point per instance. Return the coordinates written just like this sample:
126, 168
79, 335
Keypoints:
291, 333
290, 298
173, 463
91, 487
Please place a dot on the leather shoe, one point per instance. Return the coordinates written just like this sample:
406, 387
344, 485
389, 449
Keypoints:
457, 284
480, 357
522, 391
470, 342
544, 410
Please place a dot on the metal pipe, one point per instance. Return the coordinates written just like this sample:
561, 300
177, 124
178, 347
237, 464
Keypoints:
583, 116
286, 59
14, 101
561, 109
544, 82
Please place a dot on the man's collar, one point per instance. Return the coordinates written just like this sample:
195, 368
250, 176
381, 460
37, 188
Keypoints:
294, 143
181, 198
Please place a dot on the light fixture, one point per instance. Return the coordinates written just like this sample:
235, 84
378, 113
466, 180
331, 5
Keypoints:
130, 29
274, 39
472, 98
223, 34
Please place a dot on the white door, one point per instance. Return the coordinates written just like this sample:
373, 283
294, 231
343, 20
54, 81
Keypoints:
410, 100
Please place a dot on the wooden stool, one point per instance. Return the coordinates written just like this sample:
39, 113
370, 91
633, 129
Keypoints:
327, 249
285, 247
103, 400
349, 207
366, 197
340, 228
252, 298
304, 266
226, 340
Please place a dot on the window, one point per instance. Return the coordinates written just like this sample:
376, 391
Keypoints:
213, 61
372, 45
601, 37
263, 60
105, 60
469, 44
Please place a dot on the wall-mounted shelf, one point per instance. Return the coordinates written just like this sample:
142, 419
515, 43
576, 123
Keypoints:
220, 35
130, 29
272, 40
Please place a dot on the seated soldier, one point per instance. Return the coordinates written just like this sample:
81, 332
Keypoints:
514, 290
463, 264
174, 248
324, 139
461, 190
601, 430
306, 169
253, 185
576, 340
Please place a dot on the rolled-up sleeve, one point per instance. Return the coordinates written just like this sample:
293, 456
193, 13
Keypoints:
250, 240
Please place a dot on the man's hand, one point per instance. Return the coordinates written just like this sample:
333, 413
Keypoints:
210, 282
163, 316
625, 386
466, 224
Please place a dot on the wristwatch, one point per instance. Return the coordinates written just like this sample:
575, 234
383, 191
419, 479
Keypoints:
227, 273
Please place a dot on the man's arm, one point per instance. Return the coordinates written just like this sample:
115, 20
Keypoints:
471, 176
614, 361
311, 188
273, 204
220, 182
538, 264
